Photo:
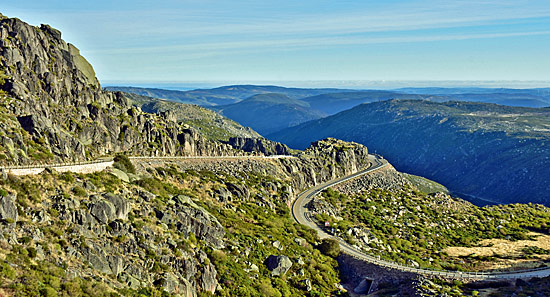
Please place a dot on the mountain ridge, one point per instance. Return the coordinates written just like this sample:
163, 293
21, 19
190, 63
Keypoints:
457, 144
269, 112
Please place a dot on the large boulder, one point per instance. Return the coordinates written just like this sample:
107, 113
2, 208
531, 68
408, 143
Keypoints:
122, 207
278, 265
111, 208
8, 210
177, 286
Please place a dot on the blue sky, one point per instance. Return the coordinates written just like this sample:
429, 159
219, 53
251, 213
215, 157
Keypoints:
253, 41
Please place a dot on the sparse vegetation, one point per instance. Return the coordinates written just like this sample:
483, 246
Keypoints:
409, 226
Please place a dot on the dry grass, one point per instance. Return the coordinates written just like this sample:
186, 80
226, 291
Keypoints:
512, 250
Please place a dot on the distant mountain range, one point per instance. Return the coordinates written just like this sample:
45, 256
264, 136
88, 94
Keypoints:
491, 151
269, 113
222, 95
210, 123
279, 108
512, 97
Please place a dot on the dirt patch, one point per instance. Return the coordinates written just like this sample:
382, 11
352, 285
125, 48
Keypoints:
505, 248
491, 247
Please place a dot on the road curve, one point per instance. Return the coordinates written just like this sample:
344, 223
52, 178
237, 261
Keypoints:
301, 216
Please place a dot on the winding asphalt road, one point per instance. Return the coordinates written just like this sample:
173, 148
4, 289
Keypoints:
302, 216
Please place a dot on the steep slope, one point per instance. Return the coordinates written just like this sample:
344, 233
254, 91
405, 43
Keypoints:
267, 113
222, 95
336, 102
53, 108
211, 124
490, 151
180, 228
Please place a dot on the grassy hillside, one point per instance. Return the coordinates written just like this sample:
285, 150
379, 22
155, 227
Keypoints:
491, 151
211, 124
511, 97
437, 231
337, 102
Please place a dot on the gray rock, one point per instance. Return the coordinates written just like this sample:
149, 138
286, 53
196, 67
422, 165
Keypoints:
278, 245
116, 264
240, 191
278, 265
307, 284
129, 280
111, 208
147, 196
100, 263
222, 195
122, 207
259, 145
300, 241
179, 286
104, 211
8, 210
120, 174
209, 280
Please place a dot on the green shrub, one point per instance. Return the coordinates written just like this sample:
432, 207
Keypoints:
79, 191
329, 247
7, 271
48, 292
32, 252
123, 163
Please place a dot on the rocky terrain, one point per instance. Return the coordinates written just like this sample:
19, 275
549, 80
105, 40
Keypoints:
158, 230
259, 145
485, 150
384, 213
204, 227
53, 108
183, 227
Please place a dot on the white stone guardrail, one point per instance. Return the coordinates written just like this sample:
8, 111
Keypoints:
78, 167
103, 163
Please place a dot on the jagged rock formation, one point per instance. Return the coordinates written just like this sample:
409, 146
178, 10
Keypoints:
278, 265
54, 109
322, 161
125, 239
259, 145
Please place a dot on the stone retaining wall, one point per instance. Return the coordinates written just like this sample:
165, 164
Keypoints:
78, 168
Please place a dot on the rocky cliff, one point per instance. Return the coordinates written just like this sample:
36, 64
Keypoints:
53, 107
324, 160
259, 145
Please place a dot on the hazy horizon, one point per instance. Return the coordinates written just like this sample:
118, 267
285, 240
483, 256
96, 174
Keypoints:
308, 40
351, 84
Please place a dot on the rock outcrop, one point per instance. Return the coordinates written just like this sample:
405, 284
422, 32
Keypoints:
278, 265
259, 145
8, 210
55, 109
